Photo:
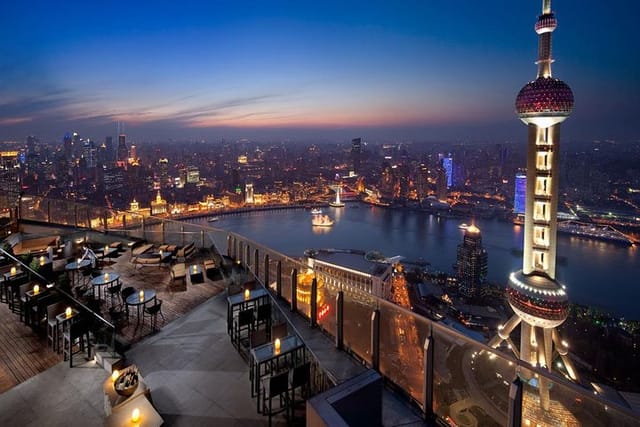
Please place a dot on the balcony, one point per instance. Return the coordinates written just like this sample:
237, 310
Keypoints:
439, 373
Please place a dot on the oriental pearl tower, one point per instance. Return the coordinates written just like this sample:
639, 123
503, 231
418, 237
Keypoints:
540, 303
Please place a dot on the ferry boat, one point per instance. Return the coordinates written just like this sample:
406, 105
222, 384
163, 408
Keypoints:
213, 219
316, 211
322, 221
594, 231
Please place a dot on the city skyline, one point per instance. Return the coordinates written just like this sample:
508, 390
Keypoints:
423, 72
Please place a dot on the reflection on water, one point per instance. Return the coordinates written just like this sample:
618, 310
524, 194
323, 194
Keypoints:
591, 266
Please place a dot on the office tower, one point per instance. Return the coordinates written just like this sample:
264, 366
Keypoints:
356, 151
248, 193
108, 144
447, 165
122, 151
193, 175
68, 146
540, 303
471, 262
422, 184
520, 193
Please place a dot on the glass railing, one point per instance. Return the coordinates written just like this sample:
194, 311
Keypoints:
470, 382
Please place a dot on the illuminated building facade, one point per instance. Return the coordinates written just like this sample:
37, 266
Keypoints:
447, 165
520, 194
471, 262
248, 193
122, 151
159, 205
540, 303
356, 152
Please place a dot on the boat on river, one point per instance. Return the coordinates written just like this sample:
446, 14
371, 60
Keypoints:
322, 221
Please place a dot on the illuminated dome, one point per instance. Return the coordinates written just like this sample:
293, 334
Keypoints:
538, 300
544, 102
473, 229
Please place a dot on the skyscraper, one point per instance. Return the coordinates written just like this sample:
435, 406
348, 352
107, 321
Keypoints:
520, 193
356, 151
471, 262
122, 151
540, 303
447, 164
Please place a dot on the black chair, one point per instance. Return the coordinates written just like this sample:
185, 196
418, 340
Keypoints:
264, 316
153, 312
114, 293
74, 336
275, 387
117, 316
279, 331
300, 379
242, 326
126, 292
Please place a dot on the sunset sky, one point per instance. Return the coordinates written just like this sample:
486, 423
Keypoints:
423, 70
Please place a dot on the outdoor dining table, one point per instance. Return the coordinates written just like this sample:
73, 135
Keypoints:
265, 360
139, 300
108, 252
239, 302
103, 280
74, 267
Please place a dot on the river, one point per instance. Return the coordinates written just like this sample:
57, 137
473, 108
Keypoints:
599, 274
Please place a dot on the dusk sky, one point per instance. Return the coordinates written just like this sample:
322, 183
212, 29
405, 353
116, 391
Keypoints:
424, 70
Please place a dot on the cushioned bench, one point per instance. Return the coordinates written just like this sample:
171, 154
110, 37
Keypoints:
179, 272
141, 249
186, 252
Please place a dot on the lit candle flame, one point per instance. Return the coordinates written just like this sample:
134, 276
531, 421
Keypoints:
276, 345
114, 375
141, 295
247, 294
135, 415
36, 289
13, 271
67, 312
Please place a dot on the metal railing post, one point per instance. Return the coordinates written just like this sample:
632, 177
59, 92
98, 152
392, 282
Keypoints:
515, 403
182, 233
266, 270
340, 320
294, 290
375, 339
247, 256
279, 278
256, 263
313, 309
427, 404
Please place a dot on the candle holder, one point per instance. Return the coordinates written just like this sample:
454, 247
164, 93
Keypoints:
135, 415
141, 295
36, 289
114, 375
276, 346
106, 276
42, 260
13, 271
247, 293
68, 312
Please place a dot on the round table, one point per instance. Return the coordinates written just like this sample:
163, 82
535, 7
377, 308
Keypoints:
103, 280
135, 300
75, 266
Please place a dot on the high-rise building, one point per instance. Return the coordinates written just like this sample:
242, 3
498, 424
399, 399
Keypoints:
122, 151
441, 184
540, 303
520, 193
356, 152
193, 175
471, 262
248, 193
447, 165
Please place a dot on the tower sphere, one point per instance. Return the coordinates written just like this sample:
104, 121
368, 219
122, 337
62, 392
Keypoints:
538, 300
544, 102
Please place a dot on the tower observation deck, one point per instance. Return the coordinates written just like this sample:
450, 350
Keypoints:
539, 302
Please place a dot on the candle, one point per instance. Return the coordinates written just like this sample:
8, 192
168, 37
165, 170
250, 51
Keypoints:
13, 271
41, 260
79, 260
247, 294
106, 276
135, 415
67, 312
106, 249
276, 345
195, 268
114, 375
36, 289
141, 295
